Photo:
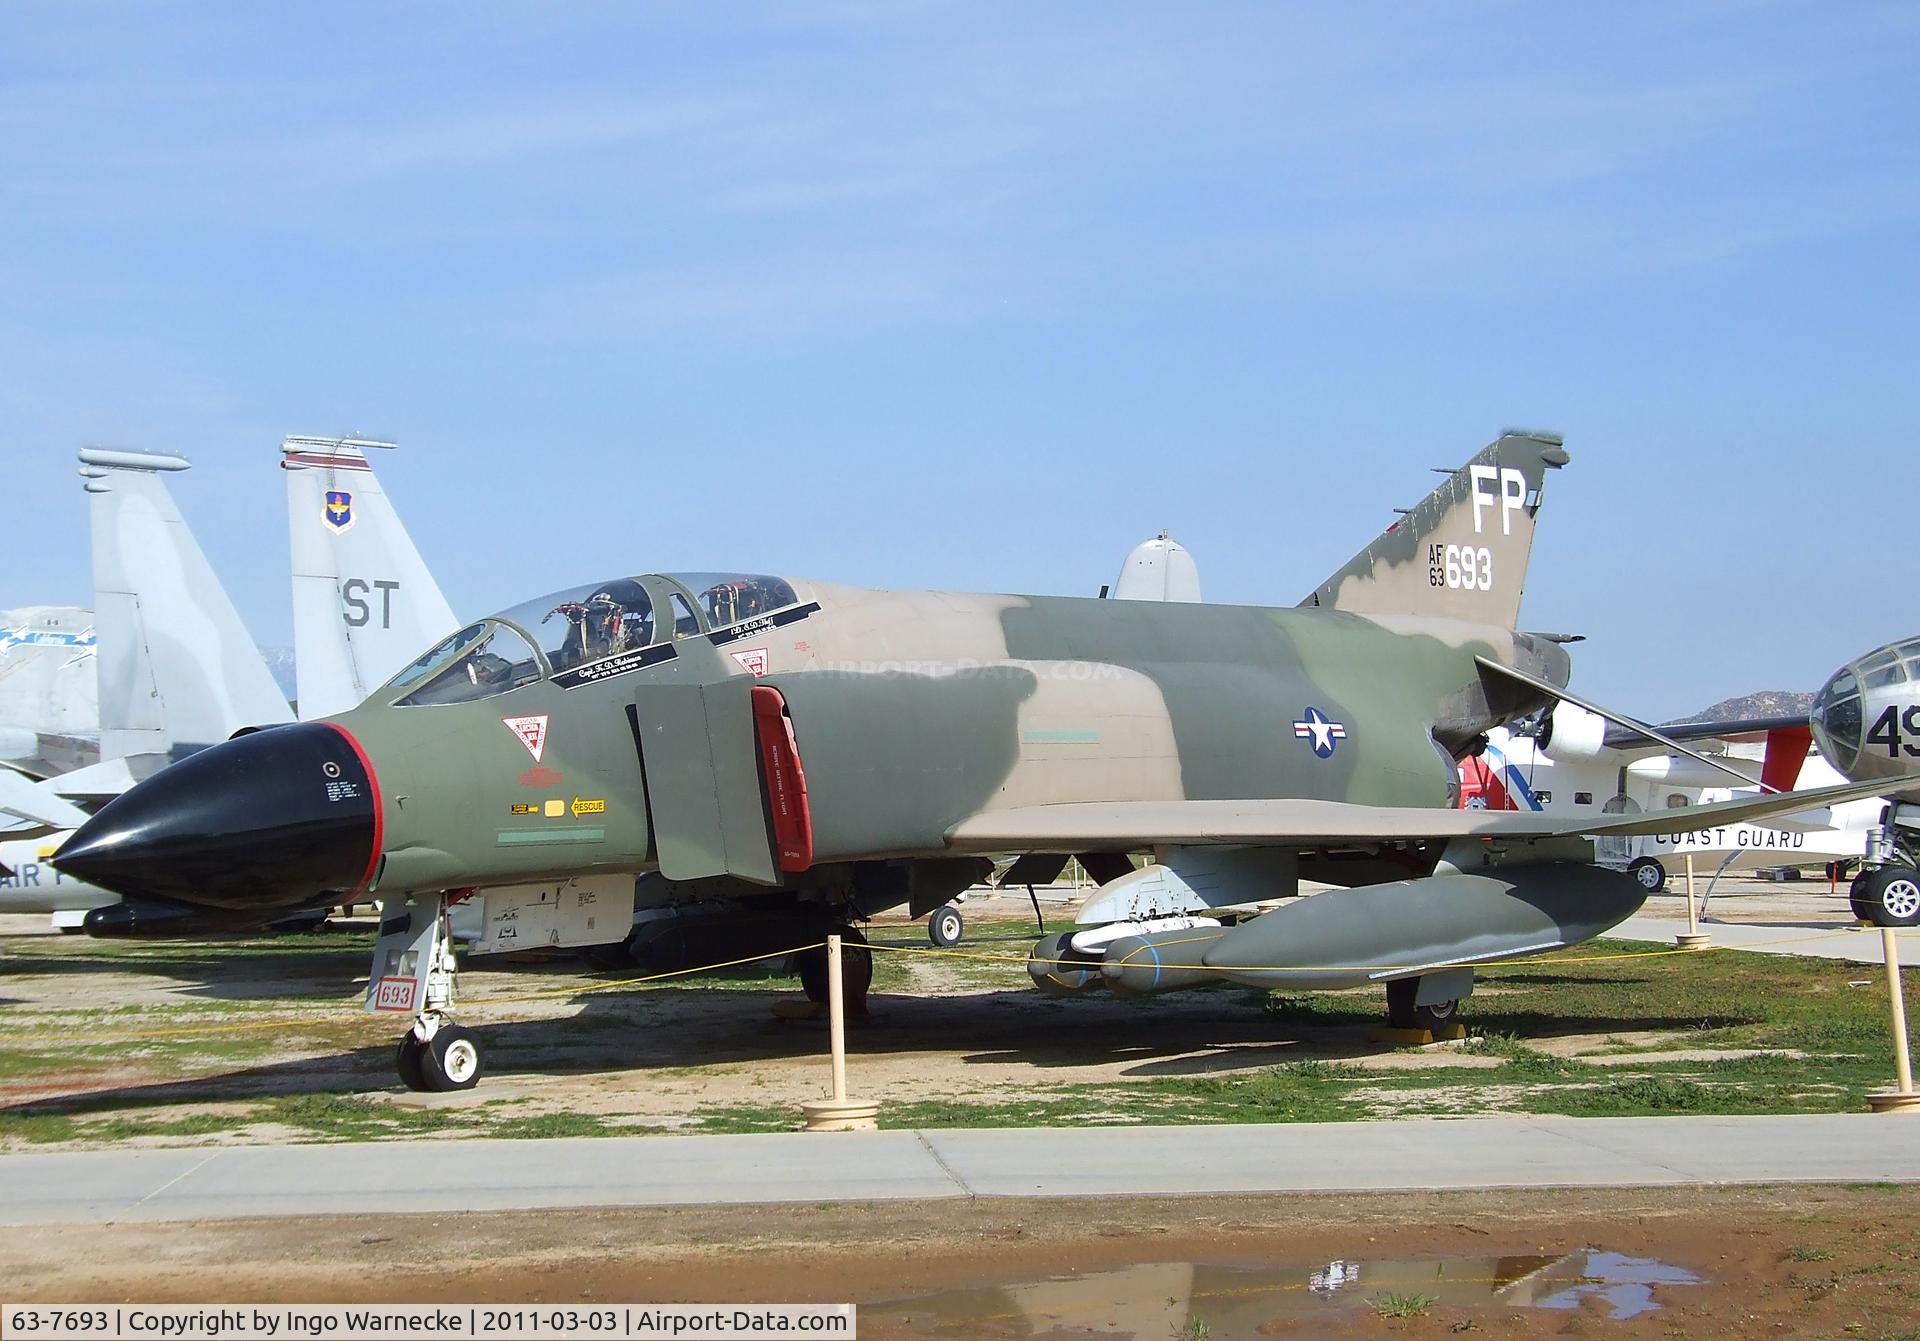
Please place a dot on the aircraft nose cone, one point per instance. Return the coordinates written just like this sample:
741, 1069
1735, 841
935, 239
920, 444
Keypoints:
283, 817
1837, 717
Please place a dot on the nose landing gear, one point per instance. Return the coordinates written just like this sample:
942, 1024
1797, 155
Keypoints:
448, 1059
413, 971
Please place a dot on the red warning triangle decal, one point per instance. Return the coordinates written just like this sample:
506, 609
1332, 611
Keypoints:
532, 732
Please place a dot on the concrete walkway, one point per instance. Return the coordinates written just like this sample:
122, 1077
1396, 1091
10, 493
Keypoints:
1408, 1154
1819, 940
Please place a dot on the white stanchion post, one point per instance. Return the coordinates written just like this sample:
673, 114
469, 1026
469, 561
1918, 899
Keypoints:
1903, 1099
837, 1019
1694, 938
838, 1113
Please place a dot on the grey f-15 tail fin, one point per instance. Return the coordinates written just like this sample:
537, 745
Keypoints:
49, 713
1462, 553
364, 603
177, 669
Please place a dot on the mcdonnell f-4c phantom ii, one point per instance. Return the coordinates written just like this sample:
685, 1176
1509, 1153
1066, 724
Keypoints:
733, 763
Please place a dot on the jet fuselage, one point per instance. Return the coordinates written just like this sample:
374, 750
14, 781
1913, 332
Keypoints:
632, 739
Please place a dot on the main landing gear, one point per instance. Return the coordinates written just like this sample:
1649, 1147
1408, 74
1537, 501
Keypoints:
1650, 873
413, 970
946, 926
856, 971
1428, 1004
1887, 896
1887, 892
448, 1059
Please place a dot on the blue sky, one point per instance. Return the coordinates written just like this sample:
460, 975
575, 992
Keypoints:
976, 296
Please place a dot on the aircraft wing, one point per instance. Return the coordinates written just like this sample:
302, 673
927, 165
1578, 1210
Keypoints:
1126, 825
1735, 729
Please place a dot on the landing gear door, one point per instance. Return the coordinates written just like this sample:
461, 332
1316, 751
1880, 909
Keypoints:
702, 769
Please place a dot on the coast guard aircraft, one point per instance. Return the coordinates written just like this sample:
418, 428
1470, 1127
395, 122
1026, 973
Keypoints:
1865, 723
790, 756
1571, 760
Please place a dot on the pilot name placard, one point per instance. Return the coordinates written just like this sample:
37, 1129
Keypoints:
721, 637
608, 667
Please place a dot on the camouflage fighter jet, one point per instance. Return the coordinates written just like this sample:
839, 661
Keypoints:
775, 758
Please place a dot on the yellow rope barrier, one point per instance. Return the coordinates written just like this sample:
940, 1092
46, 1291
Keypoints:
358, 1017
575, 990
651, 977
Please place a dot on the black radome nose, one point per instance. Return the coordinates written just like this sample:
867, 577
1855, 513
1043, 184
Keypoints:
280, 818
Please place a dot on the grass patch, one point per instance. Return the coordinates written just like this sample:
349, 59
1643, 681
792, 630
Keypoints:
1395, 1305
341, 1117
547, 1125
740, 1119
60, 1128
1524, 1017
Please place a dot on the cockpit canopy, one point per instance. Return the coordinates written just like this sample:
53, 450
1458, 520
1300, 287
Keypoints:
583, 624
729, 598
568, 629
1840, 708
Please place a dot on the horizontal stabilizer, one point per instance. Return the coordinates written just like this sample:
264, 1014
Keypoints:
1626, 723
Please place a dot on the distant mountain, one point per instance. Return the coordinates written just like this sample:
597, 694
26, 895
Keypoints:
1765, 703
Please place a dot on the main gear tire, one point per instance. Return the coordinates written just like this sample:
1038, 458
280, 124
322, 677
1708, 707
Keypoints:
1650, 873
1888, 896
1404, 1013
946, 926
856, 970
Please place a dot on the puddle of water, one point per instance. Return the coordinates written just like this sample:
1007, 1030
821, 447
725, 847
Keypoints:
1158, 1300
1626, 1283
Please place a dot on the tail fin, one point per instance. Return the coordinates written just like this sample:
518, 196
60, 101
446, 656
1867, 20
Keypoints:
1462, 553
364, 603
178, 671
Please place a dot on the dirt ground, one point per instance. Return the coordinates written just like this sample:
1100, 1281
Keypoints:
1803, 1262
85, 1035
1812, 901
